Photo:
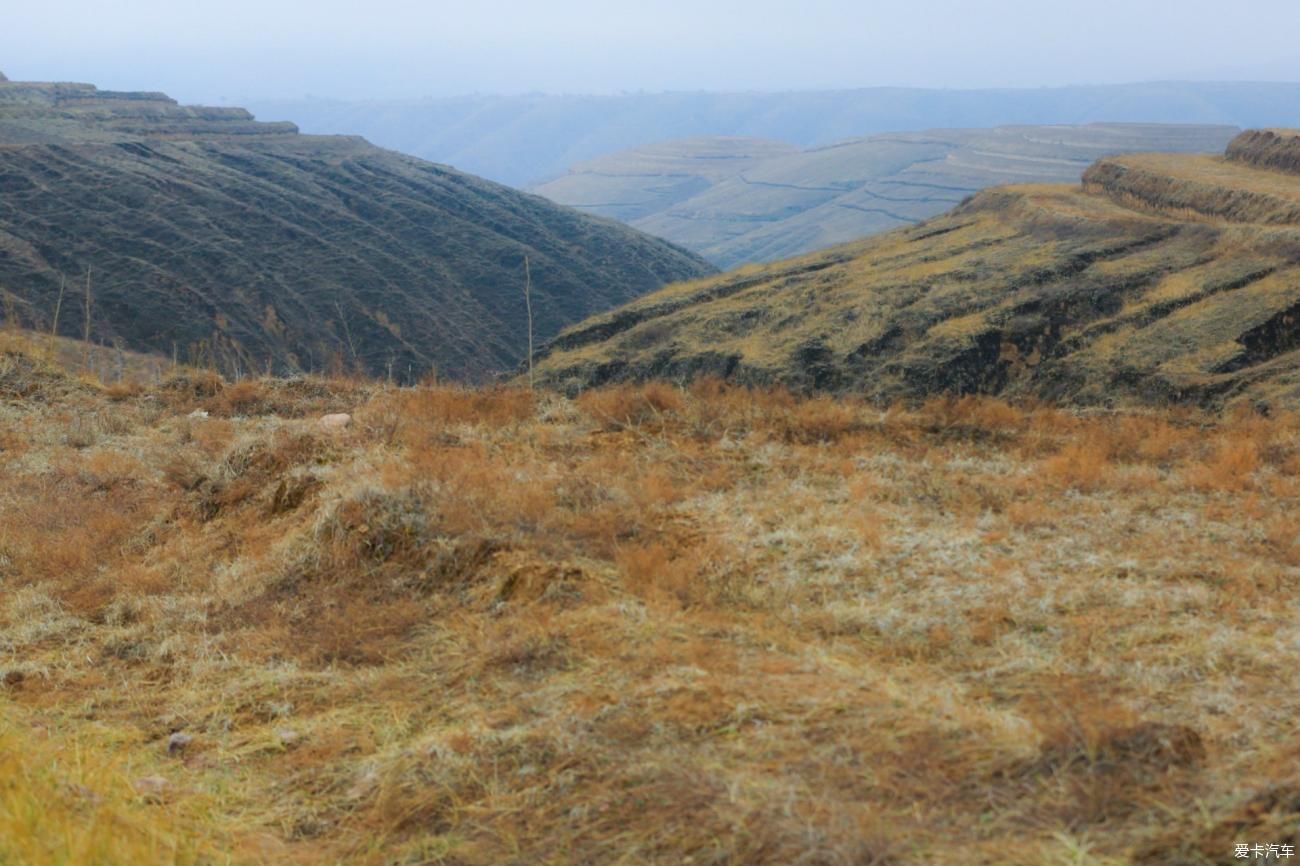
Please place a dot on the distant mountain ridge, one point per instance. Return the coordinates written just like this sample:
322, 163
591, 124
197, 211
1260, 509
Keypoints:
247, 245
736, 201
528, 139
1162, 278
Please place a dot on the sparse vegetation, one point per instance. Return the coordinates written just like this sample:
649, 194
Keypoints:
651, 625
1164, 279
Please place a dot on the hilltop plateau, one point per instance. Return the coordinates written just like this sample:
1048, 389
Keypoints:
244, 245
1161, 278
736, 201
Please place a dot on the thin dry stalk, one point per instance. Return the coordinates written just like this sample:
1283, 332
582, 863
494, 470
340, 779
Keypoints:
58, 306
528, 303
86, 329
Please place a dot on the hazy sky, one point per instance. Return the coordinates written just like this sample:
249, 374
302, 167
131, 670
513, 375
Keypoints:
222, 51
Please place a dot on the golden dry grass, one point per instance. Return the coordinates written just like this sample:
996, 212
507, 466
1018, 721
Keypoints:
1162, 278
653, 625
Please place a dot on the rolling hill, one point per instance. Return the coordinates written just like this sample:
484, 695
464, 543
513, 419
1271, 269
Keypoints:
530, 138
1163, 277
245, 245
736, 201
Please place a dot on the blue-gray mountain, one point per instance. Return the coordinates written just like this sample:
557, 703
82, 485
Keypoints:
528, 139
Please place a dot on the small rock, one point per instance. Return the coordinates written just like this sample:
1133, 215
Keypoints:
279, 709
287, 737
177, 742
151, 788
81, 792
335, 421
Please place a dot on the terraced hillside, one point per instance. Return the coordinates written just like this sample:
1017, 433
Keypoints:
645, 181
1160, 278
736, 200
244, 245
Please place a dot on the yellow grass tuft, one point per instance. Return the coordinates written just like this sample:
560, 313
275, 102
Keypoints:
69, 800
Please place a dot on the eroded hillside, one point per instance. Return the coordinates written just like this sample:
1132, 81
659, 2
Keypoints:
226, 241
1162, 278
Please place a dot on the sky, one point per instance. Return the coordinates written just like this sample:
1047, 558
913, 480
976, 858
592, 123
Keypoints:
220, 52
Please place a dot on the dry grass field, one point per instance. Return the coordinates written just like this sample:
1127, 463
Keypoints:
647, 625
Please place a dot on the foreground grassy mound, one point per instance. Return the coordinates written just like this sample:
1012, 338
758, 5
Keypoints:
715, 626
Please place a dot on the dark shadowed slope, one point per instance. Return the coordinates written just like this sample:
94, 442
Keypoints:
1164, 277
736, 201
245, 244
